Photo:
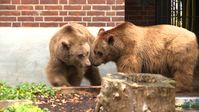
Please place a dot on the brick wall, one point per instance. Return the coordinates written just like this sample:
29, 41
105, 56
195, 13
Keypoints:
140, 12
55, 13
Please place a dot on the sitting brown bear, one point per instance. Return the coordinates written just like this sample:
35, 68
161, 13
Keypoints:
69, 57
164, 49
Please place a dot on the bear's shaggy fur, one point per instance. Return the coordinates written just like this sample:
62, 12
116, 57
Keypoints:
165, 49
69, 57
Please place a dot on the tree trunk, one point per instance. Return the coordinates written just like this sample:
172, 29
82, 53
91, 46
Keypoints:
136, 93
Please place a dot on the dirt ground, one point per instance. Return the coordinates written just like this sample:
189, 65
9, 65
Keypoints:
82, 100
69, 100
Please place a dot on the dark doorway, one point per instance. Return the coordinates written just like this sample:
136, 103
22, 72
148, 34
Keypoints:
182, 13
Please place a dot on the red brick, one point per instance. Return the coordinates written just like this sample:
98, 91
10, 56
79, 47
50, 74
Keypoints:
16, 24
86, 18
25, 19
96, 1
83, 23
53, 7
151, 12
150, 17
53, 19
39, 7
63, 1
29, 1
111, 1
24, 7
61, 24
72, 7
49, 24
101, 8
110, 13
137, 12
136, 17
48, 1
65, 13
86, 7
96, 24
77, 1
29, 13
7, 7
134, 7
149, 7
95, 13
9, 13
49, 13
117, 18
38, 18
16, 2
5, 1
120, 13
120, 1
5, 24
101, 19
7, 18
72, 19
110, 24
143, 12
30, 25
118, 23
117, 7
77, 13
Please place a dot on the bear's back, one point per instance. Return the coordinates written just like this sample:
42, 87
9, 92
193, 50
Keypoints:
170, 31
167, 44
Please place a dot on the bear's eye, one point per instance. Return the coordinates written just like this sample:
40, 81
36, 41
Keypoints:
87, 53
80, 56
100, 54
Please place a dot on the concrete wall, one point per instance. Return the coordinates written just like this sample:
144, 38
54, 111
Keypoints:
24, 54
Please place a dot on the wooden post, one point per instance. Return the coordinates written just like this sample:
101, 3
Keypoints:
136, 93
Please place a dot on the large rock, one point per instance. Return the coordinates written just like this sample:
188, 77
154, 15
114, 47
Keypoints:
136, 93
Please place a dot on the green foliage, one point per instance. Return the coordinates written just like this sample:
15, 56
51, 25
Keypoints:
195, 106
24, 91
24, 108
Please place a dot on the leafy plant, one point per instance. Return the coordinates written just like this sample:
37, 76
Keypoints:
24, 108
24, 91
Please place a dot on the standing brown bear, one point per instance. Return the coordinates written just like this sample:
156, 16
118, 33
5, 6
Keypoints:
164, 49
69, 57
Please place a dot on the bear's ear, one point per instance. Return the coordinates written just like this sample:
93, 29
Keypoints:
69, 28
101, 30
65, 45
110, 40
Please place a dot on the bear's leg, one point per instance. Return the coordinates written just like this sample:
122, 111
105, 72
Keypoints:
184, 79
93, 75
55, 75
75, 79
58, 81
129, 64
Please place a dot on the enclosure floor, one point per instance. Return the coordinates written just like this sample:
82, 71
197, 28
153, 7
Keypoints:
194, 93
84, 100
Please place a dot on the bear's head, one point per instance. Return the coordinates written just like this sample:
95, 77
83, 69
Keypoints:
110, 45
73, 47
105, 47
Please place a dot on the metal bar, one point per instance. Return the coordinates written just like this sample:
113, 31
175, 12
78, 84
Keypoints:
183, 13
171, 11
178, 16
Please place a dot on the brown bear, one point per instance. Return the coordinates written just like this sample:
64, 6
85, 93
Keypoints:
69, 57
165, 49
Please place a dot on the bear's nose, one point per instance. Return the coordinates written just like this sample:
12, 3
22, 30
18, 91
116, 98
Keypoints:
55, 84
98, 53
88, 63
